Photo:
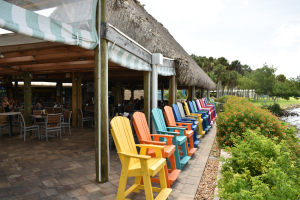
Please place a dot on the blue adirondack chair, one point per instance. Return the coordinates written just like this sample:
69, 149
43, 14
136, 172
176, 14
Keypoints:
210, 123
160, 126
204, 116
191, 120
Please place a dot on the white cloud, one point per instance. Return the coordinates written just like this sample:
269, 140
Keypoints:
287, 35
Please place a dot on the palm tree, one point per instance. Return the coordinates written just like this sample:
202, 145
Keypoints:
220, 72
281, 78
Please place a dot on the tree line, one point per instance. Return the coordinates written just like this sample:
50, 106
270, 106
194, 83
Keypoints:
238, 79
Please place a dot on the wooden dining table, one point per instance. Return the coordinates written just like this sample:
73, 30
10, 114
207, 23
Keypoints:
10, 118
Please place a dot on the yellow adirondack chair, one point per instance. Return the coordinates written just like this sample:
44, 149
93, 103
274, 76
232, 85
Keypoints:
138, 166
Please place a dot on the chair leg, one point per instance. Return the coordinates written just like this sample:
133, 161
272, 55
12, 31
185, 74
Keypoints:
123, 179
147, 180
69, 129
24, 134
60, 132
78, 123
82, 124
46, 135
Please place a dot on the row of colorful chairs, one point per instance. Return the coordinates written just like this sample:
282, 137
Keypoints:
172, 146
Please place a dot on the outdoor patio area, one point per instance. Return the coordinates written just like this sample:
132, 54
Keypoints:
65, 169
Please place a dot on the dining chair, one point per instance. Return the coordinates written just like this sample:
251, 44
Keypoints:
66, 120
82, 118
25, 128
58, 110
4, 125
50, 110
51, 125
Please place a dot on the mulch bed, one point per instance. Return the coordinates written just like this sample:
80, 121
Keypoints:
208, 181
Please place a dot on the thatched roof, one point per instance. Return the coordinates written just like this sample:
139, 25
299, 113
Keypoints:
130, 17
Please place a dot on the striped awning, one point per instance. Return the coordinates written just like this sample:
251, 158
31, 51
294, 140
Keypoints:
25, 22
166, 71
125, 59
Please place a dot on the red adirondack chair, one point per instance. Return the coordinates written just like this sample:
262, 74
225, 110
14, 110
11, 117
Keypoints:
168, 113
143, 133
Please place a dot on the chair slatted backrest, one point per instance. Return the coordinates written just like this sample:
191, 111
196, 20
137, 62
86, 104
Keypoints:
141, 127
22, 121
191, 107
67, 114
176, 113
53, 118
186, 108
123, 138
37, 112
58, 110
181, 111
22, 111
201, 103
79, 112
168, 113
198, 104
158, 119
194, 106
128, 108
50, 110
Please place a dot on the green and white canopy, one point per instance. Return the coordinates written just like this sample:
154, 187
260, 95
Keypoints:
25, 22
126, 59
166, 71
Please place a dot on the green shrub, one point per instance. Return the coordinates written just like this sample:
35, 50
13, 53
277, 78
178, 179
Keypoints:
260, 168
274, 108
239, 115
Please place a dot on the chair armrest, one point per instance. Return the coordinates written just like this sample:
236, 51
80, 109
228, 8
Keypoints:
143, 157
149, 146
181, 130
165, 136
176, 128
168, 132
168, 137
152, 142
189, 119
185, 123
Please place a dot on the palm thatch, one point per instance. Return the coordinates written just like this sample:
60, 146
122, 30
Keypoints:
131, 18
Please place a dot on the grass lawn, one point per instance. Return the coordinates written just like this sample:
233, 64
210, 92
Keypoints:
282, 102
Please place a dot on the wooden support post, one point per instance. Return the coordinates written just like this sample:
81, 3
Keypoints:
79, 90
101, 100
10, 90
162, 92
16, 95
193, 92
147, 110
118, 92
208, 94
132, 93
27, 98
74, 100
171, 90
202, 92
190, 96
175, 89
151, 105
59, 92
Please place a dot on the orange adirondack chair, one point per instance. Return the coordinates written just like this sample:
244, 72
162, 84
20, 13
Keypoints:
143, 133
168, 113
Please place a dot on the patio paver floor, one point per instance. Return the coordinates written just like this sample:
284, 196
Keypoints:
65, 169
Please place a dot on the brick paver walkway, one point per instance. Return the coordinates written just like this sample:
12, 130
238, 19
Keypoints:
65, 169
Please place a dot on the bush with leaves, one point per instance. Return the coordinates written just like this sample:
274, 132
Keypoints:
260, 168
273, 108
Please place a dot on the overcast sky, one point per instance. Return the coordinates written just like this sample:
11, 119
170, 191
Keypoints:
251, 31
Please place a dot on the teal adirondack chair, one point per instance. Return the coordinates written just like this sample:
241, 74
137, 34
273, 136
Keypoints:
160, 126
202, 112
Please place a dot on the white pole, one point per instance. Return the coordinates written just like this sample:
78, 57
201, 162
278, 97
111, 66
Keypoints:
154, 91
